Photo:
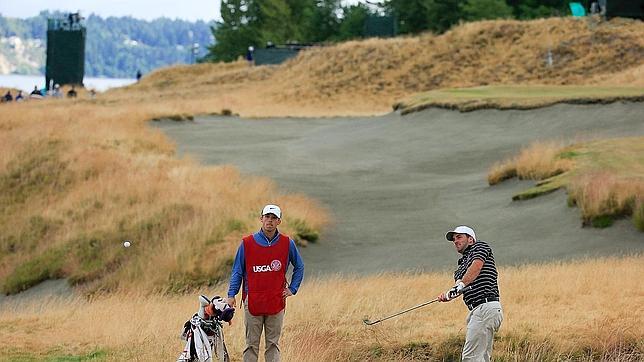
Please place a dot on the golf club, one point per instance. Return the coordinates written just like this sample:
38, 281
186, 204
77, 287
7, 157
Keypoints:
370, 323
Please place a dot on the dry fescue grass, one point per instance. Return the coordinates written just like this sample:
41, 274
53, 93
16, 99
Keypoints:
538, 161
583, 311
78, 177
600, 195
367, 77
604, 178
632, 76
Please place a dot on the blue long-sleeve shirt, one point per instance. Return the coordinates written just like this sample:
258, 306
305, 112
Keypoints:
238, 274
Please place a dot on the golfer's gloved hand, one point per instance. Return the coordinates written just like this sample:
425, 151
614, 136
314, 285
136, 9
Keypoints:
455, 291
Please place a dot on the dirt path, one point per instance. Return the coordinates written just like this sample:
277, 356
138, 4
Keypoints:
396, 184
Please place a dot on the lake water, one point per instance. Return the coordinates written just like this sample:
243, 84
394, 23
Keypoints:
27, 82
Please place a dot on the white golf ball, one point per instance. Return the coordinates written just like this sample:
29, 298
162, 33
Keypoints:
127, 244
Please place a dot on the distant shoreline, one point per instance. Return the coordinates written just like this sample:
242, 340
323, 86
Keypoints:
27, 82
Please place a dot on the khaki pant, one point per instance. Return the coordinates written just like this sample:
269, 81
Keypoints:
272, 326
482, 322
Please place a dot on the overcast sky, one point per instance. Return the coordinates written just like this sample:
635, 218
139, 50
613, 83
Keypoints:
192, 10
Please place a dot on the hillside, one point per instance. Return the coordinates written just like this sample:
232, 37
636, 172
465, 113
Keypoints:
327, 80
79, 176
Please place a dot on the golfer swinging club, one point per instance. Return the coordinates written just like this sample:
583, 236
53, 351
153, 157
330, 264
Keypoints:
476, 269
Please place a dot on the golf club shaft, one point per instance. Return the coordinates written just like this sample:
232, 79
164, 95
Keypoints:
405, 311
412, 308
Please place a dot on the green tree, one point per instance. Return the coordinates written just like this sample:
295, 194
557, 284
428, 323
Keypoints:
275, 22
443, 14
236, 31
412, 15
486, 10
352, 23
255, 22
415, 16
532, 9
324, 23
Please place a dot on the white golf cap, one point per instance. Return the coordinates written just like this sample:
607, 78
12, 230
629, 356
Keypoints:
272, 209
460, 230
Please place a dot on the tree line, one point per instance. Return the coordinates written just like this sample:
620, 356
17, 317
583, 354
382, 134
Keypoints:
118, 47
256, 22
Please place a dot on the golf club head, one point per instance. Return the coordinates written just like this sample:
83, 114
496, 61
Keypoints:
367, 322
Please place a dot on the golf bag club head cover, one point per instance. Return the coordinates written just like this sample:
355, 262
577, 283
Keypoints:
224, 311
203, 303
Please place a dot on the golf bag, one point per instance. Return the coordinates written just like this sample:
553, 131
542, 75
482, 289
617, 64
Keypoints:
203, 333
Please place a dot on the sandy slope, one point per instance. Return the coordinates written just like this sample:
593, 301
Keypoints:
395, 183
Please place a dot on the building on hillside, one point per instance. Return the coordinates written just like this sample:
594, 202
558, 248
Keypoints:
381, 26
65, 51
277, 54
625, 9
374, 26
618, 8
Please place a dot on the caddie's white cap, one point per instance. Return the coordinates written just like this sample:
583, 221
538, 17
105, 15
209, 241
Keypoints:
272, 209
460, 230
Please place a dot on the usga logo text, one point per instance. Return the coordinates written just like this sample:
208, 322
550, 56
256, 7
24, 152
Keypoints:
276, 265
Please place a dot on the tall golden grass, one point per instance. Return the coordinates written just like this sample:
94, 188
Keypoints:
602, 193
537, 161
584, 311
90, 172
79, 177
604, 178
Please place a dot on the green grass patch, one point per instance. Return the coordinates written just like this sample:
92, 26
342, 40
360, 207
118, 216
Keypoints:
303, 232
546, 186
516, 97
602, 221
638, 216
54, 356
569, 155
47, 265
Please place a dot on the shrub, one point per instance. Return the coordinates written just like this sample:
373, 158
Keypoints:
303, 232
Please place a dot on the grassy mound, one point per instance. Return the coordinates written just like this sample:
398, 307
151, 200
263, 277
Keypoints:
79, 177
379, 72
604, 178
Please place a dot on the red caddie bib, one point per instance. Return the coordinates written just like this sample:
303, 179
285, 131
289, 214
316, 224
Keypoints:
266, 275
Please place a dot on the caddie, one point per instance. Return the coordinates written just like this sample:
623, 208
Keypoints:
260, 264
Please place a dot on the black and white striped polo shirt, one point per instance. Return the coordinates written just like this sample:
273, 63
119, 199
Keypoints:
485, 285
